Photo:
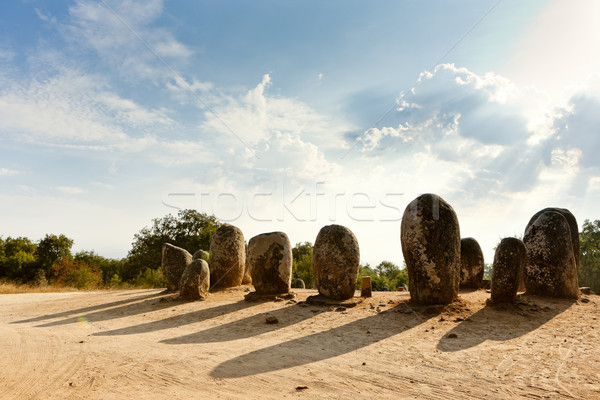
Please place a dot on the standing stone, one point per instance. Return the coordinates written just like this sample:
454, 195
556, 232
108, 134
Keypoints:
366, 290
195, 281
571, 220
228, 257
471, 264
202, 255
509, 259
299, 284
270, 263
551, 269
430, 238
174, 261
247, 279
335, 262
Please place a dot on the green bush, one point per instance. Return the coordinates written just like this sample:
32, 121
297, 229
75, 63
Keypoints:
149, 279
82, 278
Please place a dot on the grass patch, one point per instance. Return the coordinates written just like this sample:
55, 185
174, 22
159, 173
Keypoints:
7, 287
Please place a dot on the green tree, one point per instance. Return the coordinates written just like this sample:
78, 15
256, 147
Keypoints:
51, 249
302, 263
385, 275
589, 267
108, 267
487, 271
18, 260
190, 230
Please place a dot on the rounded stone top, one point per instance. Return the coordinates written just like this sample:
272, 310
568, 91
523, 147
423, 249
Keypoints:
201, 255
571, 221
338, 239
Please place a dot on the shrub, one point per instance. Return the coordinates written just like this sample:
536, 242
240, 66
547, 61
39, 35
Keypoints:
78, 274
149, 279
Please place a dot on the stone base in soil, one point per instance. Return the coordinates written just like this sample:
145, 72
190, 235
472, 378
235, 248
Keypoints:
253, 296
320, 300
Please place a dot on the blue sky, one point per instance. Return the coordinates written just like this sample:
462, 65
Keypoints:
264, 113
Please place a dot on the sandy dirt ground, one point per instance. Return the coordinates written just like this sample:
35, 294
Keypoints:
147, 344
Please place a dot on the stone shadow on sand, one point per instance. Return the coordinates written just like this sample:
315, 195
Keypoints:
253, 325
322, 345
497, 322
179, 320
85, 310
126, 310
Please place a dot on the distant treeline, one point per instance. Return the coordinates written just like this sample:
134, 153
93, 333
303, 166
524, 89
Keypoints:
50, 260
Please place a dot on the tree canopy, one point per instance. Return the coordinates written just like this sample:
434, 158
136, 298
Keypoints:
302, 263
589, 268
191, 230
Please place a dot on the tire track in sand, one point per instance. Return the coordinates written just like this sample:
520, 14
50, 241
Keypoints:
36, 363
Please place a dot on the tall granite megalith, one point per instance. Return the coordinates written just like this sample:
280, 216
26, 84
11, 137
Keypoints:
336, 257
228, 257
430, 238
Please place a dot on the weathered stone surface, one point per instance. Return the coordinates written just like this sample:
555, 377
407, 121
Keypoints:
509, 259
173, 263
299, 284
336, 256
270, 262
195, 281
551, 269
586, 290
202, 255
430, 238
471, 264
228, 257
571, 220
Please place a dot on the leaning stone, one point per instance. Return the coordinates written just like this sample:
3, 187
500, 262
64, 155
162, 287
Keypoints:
228, 257
551, 270
202, 255
174, 261
430, 238
195, 281
509, 259
299, 284
336, 257
571, 220
270, 262
471, 264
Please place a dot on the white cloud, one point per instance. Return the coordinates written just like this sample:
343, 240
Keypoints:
285, 154
483, 124
45, 17
256, 115
124, 35
8, 172
71, 190
103, 185
74, 109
